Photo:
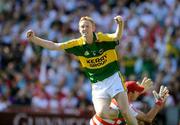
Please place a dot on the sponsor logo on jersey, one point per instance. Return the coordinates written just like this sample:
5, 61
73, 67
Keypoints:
86, 53
97, 61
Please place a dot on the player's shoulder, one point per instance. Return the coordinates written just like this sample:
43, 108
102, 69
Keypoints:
72, 43
100, 34
104, 37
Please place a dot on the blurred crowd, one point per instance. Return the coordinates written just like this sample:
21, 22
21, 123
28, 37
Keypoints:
52, 80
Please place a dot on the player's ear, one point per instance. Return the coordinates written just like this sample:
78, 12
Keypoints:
93, 27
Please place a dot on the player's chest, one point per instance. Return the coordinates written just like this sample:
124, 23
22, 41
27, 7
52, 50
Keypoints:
92, 50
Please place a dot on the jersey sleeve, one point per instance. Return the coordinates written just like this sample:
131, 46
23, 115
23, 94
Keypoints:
69, 44
107, 37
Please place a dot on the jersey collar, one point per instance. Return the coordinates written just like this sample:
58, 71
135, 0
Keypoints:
95, 38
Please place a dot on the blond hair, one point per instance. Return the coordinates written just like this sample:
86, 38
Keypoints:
88, 19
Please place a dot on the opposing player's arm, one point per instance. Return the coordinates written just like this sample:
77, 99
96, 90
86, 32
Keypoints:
148, 117
119, 30
160, 99
42, 42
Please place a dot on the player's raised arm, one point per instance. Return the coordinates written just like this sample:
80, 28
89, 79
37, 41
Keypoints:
160, 99
42, 42
120, 26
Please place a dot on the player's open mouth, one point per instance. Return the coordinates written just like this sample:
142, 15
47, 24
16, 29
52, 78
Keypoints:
84, 34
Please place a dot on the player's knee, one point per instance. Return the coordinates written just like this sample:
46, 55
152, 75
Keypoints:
125, 110
103, 113
100, 112
107, 113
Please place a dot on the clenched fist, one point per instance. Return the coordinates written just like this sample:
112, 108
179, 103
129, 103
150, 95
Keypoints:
30, 34
118, 19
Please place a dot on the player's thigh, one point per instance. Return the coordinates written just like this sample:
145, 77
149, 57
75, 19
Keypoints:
101, 104
122, 100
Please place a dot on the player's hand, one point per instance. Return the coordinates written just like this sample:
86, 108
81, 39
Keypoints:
146, 83
161, 97
118, 19
30, 34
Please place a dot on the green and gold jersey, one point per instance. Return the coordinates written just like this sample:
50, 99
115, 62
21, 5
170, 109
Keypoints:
98, 59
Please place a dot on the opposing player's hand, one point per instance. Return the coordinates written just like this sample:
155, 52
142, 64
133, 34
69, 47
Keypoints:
146, 83
161, 97
30, 34
118, 19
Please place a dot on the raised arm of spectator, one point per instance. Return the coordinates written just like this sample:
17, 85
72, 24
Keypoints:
42, 42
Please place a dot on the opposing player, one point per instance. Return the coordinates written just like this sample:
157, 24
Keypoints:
96, 52
134, 90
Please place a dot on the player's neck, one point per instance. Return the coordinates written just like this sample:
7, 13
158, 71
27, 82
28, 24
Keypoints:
89, 39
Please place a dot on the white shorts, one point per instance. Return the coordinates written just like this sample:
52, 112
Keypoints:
108, 88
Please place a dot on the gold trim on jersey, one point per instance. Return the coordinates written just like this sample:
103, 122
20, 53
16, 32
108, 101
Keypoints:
99, 61
122, 80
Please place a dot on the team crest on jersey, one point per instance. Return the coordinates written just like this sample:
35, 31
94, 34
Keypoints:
86, 53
